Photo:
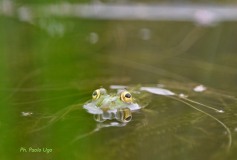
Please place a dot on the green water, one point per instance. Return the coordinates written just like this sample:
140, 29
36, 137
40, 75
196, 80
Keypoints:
47, 72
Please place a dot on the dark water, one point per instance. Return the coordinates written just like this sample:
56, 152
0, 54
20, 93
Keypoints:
49, 68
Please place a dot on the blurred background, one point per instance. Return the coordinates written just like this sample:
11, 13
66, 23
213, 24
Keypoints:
54, 54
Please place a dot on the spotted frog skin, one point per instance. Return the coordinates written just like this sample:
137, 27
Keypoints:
106, 106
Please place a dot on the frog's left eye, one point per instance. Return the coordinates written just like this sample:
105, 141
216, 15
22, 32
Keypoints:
125, 96
96, 94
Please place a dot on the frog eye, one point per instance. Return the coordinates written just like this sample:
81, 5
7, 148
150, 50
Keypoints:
125, 96
96, 94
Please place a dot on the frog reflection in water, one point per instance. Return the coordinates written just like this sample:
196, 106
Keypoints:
112, 106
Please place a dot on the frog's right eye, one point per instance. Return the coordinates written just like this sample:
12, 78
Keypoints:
125, 96
96, 94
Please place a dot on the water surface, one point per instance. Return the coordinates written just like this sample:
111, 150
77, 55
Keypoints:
49, 68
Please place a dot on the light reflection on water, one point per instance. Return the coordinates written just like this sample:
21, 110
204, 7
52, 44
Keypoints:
201, 14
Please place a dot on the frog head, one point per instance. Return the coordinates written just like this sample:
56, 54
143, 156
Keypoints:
106, 106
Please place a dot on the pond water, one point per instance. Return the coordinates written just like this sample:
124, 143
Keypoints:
50, 65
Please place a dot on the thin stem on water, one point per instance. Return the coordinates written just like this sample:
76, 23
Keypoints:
221, 123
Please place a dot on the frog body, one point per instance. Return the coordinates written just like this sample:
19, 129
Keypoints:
106, 106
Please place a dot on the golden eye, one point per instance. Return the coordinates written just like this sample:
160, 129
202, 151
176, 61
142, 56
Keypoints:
96, 94
125, 96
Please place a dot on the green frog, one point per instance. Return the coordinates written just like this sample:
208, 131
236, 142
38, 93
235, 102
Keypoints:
117, 106
120, 105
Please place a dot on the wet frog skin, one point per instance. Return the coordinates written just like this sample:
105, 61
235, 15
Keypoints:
106, 106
